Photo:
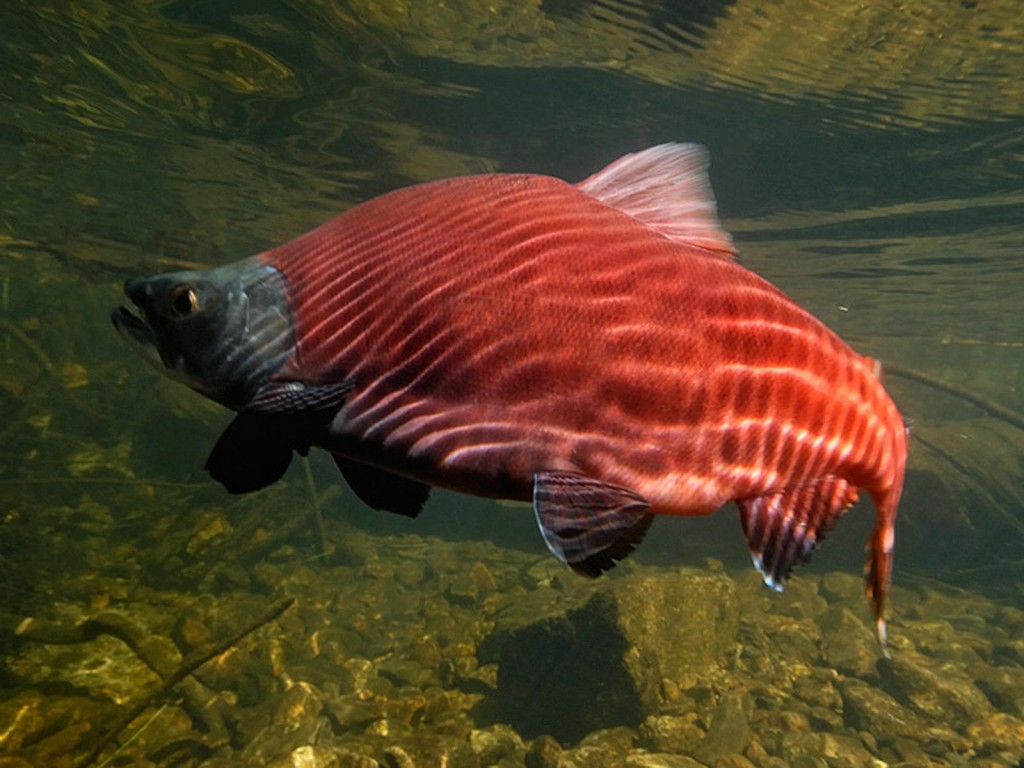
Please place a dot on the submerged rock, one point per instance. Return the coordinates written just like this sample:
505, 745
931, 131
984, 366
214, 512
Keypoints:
998, 733
671, 733
849, 646
496, 743
866, 708
942, 694
544, 752
661, 760
603, 664
729, 732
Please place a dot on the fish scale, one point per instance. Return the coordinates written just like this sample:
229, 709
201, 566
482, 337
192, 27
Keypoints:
593, 348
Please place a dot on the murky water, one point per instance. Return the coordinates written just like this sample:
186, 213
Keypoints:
869, 160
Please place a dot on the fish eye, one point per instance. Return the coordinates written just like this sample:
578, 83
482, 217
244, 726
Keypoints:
183, 300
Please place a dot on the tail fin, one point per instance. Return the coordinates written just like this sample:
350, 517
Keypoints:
878, 569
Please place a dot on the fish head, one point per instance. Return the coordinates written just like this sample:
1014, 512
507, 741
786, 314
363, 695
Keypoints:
224, 332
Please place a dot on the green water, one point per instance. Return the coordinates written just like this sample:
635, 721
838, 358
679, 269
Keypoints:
868, 160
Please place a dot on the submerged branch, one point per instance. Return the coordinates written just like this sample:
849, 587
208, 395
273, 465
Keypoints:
149, 649
36, 349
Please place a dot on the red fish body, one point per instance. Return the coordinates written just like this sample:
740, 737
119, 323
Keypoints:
593, 348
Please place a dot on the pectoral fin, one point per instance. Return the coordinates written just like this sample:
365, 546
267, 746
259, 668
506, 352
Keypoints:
383, 490
586, 523
250, 454
256, 448
783, 528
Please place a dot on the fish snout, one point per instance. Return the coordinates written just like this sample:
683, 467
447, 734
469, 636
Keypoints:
138, 290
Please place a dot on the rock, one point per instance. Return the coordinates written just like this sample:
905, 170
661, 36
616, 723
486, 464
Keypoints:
403, 672
410, 573
945, 696
278, 742
800, 600
735, 761
495, 743
396, 757
591, 757
467, 586
411, 749
1003, 685
21, 718
998, 733
309, 757
803, 749
794, 639
606, 748
825, 705
849, 646
191, 630
660, 760
841, 751
729, 732
353, 713
613, 652
348, 759
758, 755
869, 709
841, 587
611, 740
299, 704
543, 753
671, 733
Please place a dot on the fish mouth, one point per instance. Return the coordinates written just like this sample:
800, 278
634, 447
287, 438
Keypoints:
137, 332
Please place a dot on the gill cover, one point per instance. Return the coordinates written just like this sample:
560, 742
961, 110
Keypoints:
224, 332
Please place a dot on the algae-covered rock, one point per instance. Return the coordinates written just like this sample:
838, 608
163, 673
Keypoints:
866, 708
671, 733
937, 692
849, 646
661, 760
999, 732
729, 732
496, 743
603, 663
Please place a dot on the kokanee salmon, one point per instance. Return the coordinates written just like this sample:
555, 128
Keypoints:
593, 348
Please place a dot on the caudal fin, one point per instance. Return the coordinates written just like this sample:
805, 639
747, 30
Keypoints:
878, 569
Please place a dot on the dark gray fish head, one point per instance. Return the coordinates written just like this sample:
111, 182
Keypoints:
223, 332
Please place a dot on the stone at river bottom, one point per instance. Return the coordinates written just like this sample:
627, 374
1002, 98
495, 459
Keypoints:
603, 663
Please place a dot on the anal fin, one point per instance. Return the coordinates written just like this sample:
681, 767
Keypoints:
380, 489
783, 527
586, 523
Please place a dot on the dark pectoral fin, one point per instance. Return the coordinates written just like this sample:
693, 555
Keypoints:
256, 448
380, 489
588, 524
249, 455
783, 528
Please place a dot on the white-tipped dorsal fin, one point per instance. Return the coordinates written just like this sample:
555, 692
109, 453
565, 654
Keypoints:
667, 188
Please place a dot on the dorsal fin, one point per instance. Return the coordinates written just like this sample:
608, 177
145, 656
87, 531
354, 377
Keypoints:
667, 188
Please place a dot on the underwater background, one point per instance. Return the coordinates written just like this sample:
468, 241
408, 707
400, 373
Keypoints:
868, 159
